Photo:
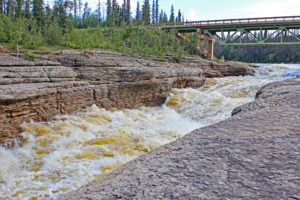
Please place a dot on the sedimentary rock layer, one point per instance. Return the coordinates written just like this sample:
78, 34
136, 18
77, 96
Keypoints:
71, 80
253, 155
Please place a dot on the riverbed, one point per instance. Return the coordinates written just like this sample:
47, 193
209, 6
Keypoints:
64, 154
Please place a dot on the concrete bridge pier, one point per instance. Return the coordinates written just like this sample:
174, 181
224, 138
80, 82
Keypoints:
206, 44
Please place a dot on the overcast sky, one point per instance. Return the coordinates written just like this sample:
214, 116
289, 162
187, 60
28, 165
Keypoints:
222, 9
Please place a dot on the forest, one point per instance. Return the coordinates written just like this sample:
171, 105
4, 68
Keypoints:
259, 54
26, 25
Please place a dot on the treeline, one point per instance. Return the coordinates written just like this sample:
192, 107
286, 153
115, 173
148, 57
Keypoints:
259, 54
30, 24
262, 54
78, 13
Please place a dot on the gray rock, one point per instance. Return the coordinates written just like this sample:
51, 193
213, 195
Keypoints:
254, 155
279, 88
272, 91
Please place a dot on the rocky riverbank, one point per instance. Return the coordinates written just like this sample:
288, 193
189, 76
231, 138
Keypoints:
70, 81
253, 155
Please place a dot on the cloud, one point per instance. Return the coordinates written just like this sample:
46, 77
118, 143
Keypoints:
270, 8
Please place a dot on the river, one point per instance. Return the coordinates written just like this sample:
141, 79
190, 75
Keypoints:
64, 154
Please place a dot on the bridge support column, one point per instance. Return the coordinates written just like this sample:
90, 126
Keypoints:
210, 49
206, 44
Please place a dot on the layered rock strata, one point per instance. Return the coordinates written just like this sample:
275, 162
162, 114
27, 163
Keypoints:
70, 81
253, 155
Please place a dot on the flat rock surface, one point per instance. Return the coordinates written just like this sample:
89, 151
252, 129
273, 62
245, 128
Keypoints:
253, 155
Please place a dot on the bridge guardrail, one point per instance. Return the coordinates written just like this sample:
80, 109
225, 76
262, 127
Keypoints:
237, 21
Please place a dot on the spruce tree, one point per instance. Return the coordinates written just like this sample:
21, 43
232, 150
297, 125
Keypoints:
10, 8
38, 12
108, 13
75, 8
172, 16
115, 13
153, 12
19, 8
165, 18
128, 11
99, 12
79, 8
156, 12
86, 14
179, 16
27, 9
61, 13
124, 11
146, 13
138, 13
161, 17
1, 6
68, 4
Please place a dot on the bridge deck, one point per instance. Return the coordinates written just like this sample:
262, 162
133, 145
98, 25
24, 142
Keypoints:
232, 24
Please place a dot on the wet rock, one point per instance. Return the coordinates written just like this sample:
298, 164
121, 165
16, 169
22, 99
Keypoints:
254, 155
279, 88
213, 69
272, 92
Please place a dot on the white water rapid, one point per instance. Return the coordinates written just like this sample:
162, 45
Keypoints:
64, 154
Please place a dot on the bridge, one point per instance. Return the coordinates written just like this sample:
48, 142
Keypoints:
246, 31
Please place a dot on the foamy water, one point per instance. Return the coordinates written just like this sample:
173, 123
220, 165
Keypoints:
71, 151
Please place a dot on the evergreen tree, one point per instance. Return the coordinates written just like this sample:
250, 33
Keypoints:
99, 12
161, 17
48, 17
80, 8
128, 11
38, 11
108, 13
146, 13
165, 18
27, 9
60, 13
115, 13
179, 17
10, 8
19, 8
138, 12
124, 11
68, 4
153, 12
172, 16
75, 8
156, 12
1, 6
86, 11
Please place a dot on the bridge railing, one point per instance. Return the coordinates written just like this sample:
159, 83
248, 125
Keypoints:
237, 21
